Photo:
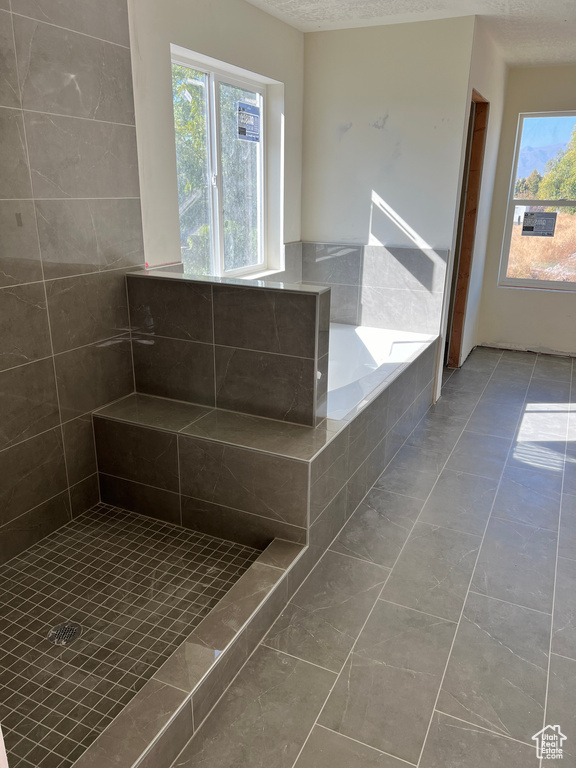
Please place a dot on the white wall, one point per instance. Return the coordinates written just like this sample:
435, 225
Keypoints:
232, 31
385, 112
488, 77
516, 317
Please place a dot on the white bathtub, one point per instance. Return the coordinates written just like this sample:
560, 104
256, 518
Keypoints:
361, 359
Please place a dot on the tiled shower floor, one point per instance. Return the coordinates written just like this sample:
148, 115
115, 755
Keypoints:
137, 586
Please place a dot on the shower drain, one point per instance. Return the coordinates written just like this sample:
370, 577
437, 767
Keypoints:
65, 634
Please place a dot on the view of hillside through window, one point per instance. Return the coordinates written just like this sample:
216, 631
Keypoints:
543, 246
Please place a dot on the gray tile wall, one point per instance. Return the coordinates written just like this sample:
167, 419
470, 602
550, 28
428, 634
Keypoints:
69, 229
246, 479
250, 350
383, 287
240, 494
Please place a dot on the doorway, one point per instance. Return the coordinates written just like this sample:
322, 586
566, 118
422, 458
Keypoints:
466, 233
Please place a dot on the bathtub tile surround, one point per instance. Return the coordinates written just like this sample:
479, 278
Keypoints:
226, 344
253, 477
70, 227
265, 321
380, 286
137, 600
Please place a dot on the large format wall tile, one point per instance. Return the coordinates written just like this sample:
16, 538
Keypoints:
19, 252
70, 157
28, 401
14, 173
328, 474
236, 525
91, 376
9, 93
79, 449
26, 530
107, 20
269, 321
68, 73
332, 264
24, 331
276, 386
30, 473
137, 453
87, 309
79, 236
405, 310
182, 370
267, 485
178, 310
85, 148
144, 499
404, 268
345, 304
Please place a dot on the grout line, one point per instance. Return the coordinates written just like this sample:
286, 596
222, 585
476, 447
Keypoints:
203, 501
556, 561
121, 334
528, 525
475, 565
28, 111
362, 743
213, 345
68, 29
45, 291
348, 657
487, 730
298, 658
508, 602
179, 478
425, 613
354, 557
92, 273
561, 655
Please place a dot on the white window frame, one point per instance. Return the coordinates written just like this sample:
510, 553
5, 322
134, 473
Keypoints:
271, 158
514, 282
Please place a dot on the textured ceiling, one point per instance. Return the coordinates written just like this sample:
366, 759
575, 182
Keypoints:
527, 31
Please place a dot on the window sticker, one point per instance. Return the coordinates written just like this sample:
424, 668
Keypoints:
539, 224
248, 122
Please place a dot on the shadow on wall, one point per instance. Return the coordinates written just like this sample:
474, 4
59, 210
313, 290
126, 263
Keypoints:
394, 287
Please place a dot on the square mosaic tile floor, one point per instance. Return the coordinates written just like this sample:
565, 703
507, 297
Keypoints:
137, 586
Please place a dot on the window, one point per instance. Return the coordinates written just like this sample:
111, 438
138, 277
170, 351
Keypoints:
539, 249
219, 122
